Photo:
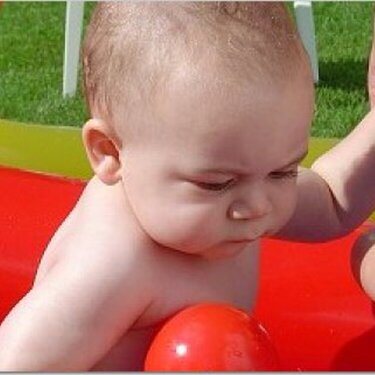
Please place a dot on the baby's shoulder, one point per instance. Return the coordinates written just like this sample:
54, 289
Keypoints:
103, 213
99, 231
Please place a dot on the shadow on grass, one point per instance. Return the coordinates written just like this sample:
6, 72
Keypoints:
343, 74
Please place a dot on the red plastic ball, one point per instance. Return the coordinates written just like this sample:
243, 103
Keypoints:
212, 337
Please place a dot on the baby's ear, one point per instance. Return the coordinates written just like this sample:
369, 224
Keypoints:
102, 149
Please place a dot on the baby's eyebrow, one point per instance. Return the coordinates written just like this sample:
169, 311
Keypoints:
239, 172
296, 160
222, 171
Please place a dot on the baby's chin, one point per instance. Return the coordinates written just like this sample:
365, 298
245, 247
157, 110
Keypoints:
223, 250
226, 250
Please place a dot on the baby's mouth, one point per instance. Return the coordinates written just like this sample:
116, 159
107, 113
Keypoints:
253, 237
243, 241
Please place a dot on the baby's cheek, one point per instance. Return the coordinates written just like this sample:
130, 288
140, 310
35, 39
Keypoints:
286, 207
188, 229
283, 199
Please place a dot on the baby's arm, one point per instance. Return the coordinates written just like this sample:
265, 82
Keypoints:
77, 312
338, 193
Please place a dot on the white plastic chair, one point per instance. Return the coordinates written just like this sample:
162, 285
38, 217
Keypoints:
306, 29
73, 30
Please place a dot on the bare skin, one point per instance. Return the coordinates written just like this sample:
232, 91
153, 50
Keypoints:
337, 194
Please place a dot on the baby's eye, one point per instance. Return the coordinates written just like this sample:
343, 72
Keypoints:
284, 174
215, 186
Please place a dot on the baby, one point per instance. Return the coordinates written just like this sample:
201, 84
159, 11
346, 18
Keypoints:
200, 115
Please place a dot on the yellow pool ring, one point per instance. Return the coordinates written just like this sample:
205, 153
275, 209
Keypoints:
58, 150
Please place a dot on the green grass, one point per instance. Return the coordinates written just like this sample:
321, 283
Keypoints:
31, 62
344, 40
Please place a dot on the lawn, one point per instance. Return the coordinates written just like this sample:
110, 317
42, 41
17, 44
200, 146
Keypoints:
31, 61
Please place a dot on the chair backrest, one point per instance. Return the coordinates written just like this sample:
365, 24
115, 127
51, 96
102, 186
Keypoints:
73, 31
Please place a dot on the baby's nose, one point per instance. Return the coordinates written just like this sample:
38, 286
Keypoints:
244, 210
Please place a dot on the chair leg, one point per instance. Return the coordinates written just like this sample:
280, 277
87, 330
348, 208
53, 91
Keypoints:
73, 29
306, 29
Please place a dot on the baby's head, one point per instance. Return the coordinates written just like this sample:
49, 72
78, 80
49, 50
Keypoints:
202, 110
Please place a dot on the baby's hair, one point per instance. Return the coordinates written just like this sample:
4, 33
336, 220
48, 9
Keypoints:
131, 49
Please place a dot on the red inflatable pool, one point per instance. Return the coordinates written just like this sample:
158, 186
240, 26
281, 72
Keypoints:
315, 313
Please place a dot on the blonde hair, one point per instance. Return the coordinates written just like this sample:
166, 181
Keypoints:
131, 49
